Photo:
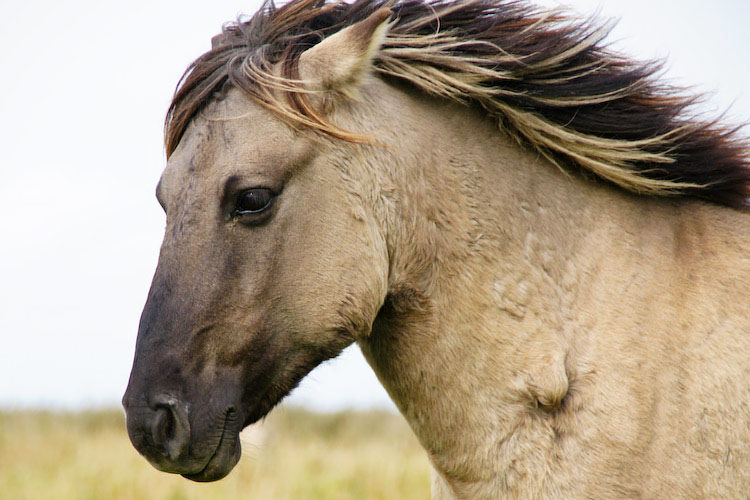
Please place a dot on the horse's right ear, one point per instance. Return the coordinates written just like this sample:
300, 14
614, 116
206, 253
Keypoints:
341, 61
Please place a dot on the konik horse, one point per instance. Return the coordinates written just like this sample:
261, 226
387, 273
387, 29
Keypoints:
542, 253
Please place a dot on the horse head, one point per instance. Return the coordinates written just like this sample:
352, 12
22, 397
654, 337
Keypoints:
272, 262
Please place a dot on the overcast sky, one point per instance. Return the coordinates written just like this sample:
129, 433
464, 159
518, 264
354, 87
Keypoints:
82, 99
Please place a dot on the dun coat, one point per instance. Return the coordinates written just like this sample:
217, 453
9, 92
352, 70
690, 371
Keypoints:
542, 255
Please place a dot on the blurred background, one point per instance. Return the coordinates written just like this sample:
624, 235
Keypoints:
84, 90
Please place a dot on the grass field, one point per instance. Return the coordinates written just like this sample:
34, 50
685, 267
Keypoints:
295, 455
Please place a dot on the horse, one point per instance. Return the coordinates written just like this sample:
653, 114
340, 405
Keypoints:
539, 246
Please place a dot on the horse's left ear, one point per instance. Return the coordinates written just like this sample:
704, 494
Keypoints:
341, 61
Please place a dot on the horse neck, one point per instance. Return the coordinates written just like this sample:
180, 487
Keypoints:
490, 247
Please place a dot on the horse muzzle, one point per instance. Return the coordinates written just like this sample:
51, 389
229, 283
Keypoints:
205, 449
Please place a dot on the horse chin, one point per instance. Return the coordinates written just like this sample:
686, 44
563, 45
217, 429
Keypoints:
222, 461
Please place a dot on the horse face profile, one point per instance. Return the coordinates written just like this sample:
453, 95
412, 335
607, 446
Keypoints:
271, 263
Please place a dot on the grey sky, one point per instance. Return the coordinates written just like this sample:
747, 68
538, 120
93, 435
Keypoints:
82, 100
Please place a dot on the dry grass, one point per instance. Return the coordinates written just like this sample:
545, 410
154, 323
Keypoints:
295, 455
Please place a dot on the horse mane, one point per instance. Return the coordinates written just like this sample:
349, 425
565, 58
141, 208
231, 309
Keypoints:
543, 74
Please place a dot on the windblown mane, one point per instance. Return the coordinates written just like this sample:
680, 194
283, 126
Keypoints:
545, 76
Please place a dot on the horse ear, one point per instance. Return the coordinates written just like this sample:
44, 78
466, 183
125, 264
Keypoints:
341, 61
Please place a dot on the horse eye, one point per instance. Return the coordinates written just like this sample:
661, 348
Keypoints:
253, 201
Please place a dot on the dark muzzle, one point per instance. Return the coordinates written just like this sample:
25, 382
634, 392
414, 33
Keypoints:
160, 431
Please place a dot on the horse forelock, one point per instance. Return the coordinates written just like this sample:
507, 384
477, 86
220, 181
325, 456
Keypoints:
543, 74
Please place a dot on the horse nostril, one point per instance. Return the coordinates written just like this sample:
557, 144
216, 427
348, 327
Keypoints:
162, 427
171, 428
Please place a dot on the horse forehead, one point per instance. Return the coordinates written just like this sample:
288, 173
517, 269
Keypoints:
240, 121
230, 133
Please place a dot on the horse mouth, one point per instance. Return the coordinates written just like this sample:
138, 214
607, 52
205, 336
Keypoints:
225, 456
